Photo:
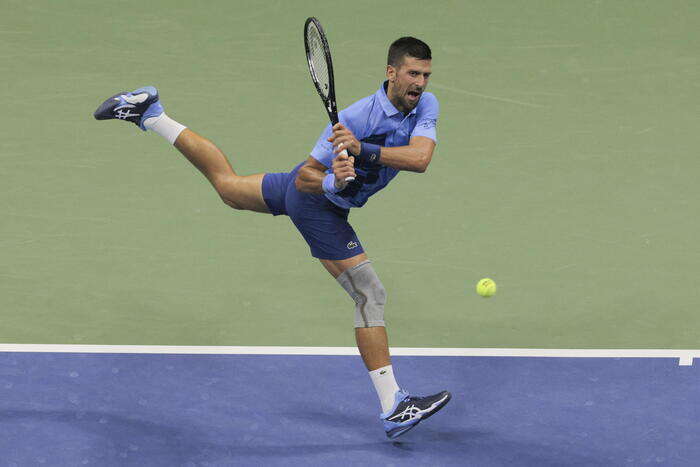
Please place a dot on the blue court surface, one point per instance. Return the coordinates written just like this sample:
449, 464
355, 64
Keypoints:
167, 410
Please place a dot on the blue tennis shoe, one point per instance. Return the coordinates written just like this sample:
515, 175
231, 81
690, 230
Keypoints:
135, 106
408, 411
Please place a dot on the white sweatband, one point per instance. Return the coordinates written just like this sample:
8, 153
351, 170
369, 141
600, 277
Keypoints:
329, 184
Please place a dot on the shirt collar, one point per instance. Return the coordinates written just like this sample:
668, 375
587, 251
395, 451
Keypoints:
386, 104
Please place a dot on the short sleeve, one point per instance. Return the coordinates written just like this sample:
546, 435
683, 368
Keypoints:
353, 118
323, 150
427, 117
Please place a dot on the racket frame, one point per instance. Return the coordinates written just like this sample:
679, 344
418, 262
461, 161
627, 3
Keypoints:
329, 103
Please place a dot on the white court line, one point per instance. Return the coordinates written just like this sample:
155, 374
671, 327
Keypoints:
485, 96
548, 46
685, 357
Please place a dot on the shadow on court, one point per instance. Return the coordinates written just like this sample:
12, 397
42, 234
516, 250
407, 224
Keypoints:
97, 437
165, 410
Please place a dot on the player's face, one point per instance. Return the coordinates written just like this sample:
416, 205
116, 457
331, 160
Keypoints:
407, 82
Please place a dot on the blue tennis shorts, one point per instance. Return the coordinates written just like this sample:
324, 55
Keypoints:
323, 224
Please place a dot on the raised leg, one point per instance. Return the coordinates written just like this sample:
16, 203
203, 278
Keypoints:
239, 192
143, 108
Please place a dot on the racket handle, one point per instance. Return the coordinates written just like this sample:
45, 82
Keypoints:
344, 152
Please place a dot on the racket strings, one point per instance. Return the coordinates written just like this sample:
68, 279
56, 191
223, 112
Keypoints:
317, 58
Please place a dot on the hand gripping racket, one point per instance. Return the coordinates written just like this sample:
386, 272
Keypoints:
318, 54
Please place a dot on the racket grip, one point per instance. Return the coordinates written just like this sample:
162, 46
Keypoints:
344, 152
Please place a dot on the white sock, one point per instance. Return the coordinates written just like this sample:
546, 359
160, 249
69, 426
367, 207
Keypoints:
165, 127
385, 384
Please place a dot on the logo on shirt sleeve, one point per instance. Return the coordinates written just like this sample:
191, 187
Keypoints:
428, 123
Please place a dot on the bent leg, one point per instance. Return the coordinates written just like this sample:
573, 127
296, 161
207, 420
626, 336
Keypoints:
239, 192
372, 340
333, 241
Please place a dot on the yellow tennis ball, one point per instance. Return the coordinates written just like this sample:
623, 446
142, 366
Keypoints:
486, 287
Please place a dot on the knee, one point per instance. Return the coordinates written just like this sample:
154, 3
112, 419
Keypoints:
230, 202
227, 190
363, 285
371, 312
374, 294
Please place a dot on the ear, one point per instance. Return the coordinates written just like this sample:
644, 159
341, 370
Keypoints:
390, 73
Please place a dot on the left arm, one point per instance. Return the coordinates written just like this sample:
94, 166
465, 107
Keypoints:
415, 157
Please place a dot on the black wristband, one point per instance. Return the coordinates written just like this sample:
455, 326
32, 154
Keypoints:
369, 153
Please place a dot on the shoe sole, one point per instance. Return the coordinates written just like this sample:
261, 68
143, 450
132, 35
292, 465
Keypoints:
400, 431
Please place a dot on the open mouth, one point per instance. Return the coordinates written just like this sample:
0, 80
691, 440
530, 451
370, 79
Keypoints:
413, 94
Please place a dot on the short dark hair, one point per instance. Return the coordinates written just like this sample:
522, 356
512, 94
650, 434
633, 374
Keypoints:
411, 46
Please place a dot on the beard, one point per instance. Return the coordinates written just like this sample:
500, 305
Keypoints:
406, 99
411, 98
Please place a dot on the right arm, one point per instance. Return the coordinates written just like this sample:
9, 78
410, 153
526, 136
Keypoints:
311, 174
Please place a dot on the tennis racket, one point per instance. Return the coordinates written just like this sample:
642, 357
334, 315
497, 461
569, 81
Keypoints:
318, 54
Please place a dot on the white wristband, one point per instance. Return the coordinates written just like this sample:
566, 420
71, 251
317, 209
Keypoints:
329, 184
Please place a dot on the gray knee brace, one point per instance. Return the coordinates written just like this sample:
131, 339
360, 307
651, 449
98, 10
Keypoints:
363, 285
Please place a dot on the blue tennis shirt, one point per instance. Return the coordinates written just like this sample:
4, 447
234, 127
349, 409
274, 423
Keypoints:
375, 120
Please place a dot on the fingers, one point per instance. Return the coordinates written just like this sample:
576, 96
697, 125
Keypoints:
339, 130
340, 134
345, 142
343, 138
339, 146
342, 174
343, 167
339, 150
352, 174
342, 159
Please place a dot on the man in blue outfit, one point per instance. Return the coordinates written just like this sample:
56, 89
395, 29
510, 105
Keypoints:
389, 131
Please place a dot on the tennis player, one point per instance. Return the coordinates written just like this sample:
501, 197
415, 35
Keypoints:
392, 130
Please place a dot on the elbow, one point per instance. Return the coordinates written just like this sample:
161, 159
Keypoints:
226, 188
422, 164
232, 204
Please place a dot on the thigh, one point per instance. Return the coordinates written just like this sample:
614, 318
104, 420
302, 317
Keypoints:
337, 266
243, 192
323, 225
249, 193
274, 191
275, 186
